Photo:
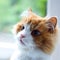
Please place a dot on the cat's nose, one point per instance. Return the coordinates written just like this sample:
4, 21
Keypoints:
22, 36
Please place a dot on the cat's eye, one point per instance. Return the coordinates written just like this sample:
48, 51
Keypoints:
35, 33
22, 27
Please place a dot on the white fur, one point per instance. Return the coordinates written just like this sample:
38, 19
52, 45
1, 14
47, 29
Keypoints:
29, 51
25, 14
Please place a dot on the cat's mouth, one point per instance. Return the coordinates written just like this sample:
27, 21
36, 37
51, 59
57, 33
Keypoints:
22, 42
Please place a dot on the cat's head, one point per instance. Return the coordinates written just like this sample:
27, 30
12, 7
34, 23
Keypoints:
34, 31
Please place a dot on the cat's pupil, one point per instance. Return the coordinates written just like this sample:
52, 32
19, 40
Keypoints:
22, 28
35, 33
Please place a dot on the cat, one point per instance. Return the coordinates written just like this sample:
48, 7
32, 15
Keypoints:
36, 37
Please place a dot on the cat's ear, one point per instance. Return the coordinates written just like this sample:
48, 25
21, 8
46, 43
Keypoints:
29, 10
53, 20
51, 23
26, 13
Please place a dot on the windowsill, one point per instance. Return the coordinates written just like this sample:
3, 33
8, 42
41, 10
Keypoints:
7, 45
6, 50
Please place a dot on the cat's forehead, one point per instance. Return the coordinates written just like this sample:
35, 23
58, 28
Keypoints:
29, 17
33, 21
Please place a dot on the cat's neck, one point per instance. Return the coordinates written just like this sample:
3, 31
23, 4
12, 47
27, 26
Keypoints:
35, 54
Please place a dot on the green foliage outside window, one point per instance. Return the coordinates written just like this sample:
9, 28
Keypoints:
11, 9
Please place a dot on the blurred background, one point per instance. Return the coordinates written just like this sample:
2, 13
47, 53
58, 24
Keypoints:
10, 11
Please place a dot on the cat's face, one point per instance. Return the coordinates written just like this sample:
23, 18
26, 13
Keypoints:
34, 31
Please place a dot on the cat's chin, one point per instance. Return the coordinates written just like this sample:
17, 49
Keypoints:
21, 45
